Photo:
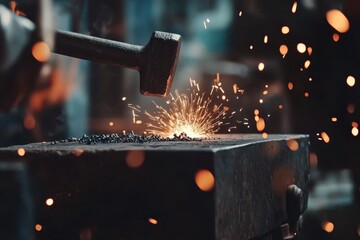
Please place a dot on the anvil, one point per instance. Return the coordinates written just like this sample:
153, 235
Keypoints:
150, 190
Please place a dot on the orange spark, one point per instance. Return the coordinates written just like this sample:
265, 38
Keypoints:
41, 51
294, 7
338, 20
328, 226
205, 180
285, 30
194, 115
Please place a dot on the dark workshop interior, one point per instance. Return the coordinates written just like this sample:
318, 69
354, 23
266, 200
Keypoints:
271, 68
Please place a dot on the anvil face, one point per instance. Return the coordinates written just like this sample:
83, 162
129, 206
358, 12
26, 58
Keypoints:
156, 191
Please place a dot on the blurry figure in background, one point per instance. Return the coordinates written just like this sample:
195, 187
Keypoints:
47, 97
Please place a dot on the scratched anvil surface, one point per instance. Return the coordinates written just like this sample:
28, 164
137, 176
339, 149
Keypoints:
94, 188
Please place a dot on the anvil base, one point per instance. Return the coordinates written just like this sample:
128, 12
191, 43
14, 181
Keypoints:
148, 190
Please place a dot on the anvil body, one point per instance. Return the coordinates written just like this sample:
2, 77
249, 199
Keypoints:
96, 192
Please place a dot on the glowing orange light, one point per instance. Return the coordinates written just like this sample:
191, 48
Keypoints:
294, 7
261, 100
328, 226
265, 92
285, 30
256, 112
21, 152
313, 160
338, 20
194, 114
290, 86
77, 152
111, 124
355, 131
29, 121
205, 180
153, 221
260, 125
354, 124
283, 50
301, 47
309, 50
351, 108
256, 118
334, 119
307, 64
336, 37
266, 39
138, 122
49, 202
281, 106
38, 227
41, 51
261, 66
350, 80
306, 94
292, 144
325, 137
265, 135
135, 159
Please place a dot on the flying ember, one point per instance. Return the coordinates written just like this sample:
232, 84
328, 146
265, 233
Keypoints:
194, 114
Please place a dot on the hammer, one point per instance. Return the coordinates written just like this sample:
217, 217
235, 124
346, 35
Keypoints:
156, 61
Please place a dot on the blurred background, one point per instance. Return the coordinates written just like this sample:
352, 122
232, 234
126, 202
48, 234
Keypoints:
293, 64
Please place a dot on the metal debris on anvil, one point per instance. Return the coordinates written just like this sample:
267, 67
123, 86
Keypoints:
125, 138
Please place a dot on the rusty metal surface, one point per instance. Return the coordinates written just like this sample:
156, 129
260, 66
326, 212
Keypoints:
95, 190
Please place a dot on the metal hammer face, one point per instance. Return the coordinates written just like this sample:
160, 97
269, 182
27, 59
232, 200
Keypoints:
156, 61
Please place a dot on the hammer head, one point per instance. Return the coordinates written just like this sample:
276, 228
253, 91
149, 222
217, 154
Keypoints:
160, 60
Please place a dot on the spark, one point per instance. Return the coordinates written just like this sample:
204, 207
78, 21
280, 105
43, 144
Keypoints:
301, 47
294, 7
338, 20
194, 115
266, 39
350, 80
309, 50
325, 137
336, 37
355, 131
240, 13
290, 86
261, 66
285, 30
21, 152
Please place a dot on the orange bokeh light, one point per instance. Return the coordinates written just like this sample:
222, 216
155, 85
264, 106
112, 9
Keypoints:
292, 144
41, 51
328, 226
49, 202
21, 152
38, 227
260, 124
338, 20
135, 159
205, 180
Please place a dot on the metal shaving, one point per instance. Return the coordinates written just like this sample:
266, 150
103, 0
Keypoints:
125, 138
